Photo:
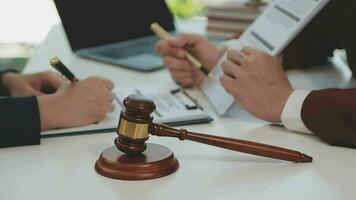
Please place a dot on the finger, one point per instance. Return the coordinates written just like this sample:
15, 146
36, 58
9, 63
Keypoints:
108, 84
229, 68
164, 47
179, 75
177, 64
186, 82
33, 92
235, 56
111, 97
65, 85
222, 49
184, 40
178, 53
228, 83
248, 50
197, 76
50, 82
99, 81
111, 108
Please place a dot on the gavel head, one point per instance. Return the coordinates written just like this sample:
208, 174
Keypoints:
133, 128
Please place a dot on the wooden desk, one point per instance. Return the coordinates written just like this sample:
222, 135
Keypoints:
63, 167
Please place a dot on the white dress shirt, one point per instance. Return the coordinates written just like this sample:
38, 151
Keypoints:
291, 114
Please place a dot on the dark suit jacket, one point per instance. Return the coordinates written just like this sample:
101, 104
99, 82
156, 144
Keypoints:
334, 27
19, 121
331, 113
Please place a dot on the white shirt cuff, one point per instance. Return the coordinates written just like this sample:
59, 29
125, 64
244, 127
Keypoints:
291, 115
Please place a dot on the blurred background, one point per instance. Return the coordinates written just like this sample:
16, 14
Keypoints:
24, 24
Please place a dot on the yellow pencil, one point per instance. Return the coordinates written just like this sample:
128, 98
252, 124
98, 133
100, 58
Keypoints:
164, 35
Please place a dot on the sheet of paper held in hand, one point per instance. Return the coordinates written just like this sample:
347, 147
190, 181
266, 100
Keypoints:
271, 32
173, 108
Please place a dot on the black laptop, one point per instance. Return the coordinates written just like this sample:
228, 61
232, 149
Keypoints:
115, 31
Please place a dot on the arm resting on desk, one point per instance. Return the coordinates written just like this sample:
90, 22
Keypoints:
19, 121
291, 115
331, 114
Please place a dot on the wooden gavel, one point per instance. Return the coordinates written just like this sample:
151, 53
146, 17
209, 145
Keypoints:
136, 124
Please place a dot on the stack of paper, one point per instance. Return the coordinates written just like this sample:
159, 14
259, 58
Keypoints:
231, 18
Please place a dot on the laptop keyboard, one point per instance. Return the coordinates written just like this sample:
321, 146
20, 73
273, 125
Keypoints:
129, 48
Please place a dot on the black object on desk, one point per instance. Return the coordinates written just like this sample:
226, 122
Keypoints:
115, 32
58, 65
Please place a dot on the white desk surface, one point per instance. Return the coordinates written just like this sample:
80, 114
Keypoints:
63, 167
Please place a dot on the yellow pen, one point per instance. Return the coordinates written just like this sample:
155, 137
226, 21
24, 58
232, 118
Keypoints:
164, 35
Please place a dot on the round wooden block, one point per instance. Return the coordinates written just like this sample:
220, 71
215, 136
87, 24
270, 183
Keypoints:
157, 161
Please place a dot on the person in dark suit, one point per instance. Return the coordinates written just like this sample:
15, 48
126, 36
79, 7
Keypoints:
259, 84
30, 103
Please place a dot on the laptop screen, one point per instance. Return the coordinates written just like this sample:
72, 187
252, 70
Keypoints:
93, 23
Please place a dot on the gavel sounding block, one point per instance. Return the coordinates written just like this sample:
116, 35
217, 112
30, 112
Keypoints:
157, 161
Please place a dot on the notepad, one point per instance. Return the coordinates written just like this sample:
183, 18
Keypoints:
174, 107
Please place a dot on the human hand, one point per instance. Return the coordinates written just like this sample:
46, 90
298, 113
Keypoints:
81, 103
31, 84
257, 81
181, 69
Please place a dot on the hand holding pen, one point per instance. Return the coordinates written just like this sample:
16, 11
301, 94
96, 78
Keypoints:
59, 66
176, 50
164, 35
81, 103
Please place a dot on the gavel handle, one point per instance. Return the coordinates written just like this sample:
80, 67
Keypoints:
232, 144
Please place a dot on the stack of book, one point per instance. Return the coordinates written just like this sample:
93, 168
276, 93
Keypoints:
230, 19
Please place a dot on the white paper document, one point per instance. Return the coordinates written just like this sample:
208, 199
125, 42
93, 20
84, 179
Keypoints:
271, 32
173, 107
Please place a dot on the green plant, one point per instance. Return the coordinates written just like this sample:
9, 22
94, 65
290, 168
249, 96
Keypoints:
186, 8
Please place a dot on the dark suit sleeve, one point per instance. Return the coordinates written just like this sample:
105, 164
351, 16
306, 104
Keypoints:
331, 114
318, 39
350, 35
19, 121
